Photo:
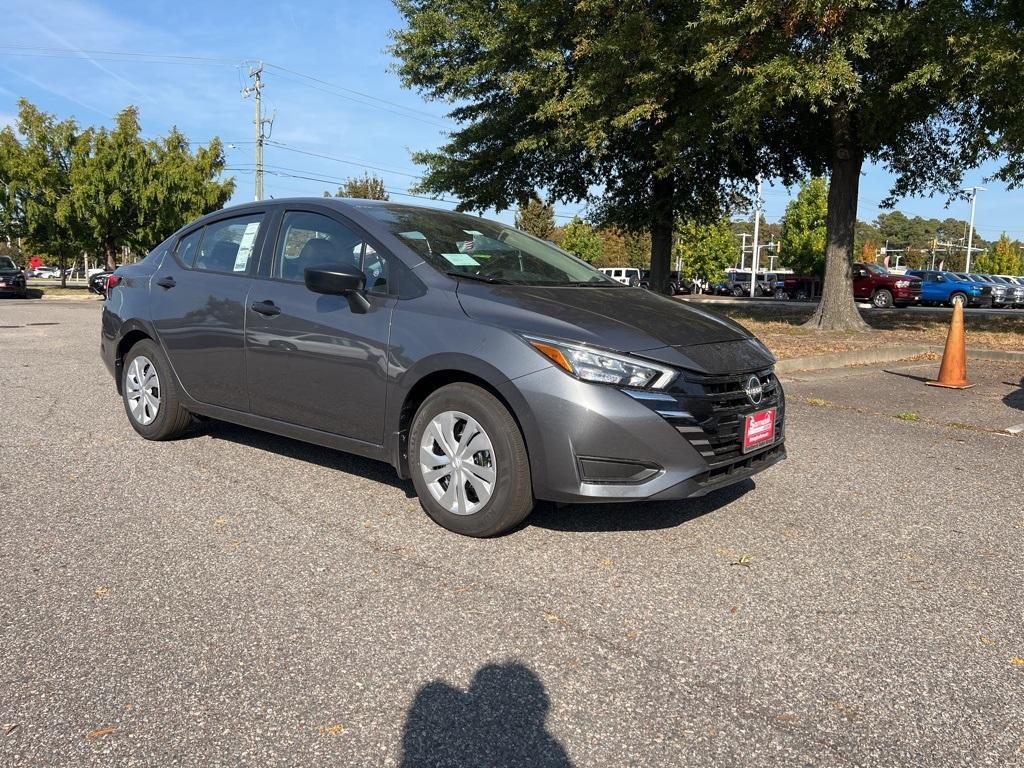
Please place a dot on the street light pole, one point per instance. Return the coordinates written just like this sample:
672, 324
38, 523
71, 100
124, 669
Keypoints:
757, 230
970, 232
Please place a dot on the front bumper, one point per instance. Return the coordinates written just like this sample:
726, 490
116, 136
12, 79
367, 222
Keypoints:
571, 425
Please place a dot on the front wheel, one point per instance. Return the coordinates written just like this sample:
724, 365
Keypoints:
468, 462
958, 298
882, 299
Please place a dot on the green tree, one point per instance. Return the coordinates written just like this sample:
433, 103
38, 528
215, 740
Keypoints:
536, 217
571, 97
581, 240
803, 228
925, 89
366, 187
35, 174
128, 191
705, 250
1004, 259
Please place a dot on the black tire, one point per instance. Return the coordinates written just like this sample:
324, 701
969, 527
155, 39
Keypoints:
512, 496
802, 294
171, 420
958, 298
882, 299
738, 291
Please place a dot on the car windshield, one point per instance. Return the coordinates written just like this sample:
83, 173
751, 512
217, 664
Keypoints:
466, 246
6, 263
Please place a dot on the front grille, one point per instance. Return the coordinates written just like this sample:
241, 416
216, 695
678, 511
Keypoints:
715, 406
915, 287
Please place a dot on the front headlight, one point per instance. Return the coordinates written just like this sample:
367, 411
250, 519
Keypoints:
902, 283
601, 367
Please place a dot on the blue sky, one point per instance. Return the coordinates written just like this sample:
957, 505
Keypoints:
354, 109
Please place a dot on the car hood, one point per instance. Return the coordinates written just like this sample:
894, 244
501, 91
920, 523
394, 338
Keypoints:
630, 320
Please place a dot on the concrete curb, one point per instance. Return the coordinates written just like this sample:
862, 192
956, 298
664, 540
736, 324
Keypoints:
855, 357
884, 355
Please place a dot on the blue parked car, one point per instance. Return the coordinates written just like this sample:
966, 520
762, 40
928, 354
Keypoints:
948, 288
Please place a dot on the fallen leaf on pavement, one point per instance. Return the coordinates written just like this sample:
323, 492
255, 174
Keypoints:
333, 730
99, 733
101, 591
745, 561
606, 561
221, 521
10, 728
986, 640
1017, 661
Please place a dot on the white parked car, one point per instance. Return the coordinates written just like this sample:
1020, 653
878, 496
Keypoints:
624, 275
46, 272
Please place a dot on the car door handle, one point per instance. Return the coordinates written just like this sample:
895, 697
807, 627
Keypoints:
166, 282
267, 308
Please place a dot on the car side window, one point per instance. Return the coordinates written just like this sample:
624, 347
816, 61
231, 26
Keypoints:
228, 245
188, 246
311, 239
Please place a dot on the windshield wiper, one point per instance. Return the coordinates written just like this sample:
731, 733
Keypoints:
593, 284
479, 278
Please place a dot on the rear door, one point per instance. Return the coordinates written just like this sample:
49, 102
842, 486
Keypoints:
198, 306
861, 283
310, 359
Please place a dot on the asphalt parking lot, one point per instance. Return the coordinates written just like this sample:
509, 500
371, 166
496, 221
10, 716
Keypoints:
234, 598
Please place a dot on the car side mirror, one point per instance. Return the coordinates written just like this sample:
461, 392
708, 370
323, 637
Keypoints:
339, 280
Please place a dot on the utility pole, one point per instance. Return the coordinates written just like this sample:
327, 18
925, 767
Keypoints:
256, 73
970, 232
757, 230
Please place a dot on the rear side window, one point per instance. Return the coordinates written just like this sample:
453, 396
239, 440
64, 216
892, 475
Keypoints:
227, 246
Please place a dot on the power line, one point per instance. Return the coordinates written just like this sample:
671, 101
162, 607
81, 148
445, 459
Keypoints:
353, 91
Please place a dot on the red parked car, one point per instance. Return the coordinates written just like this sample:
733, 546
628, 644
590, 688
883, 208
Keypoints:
884, 290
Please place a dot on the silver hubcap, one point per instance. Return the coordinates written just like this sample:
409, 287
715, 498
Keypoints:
457, 462
958, 299
142, 390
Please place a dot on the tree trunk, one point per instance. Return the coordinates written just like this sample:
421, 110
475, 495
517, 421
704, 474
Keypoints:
111, 253
837, 311
662, 224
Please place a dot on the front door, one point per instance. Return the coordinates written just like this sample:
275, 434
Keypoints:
311, 360
198, 308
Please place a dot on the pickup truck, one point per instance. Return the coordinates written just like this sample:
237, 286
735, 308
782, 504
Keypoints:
947, 288
875, 284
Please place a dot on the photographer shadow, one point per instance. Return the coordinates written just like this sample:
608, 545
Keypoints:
498, 722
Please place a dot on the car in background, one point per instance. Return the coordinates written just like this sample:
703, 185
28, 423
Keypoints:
1017, 285
1000, 292
739, 283
949, 288
676, 284
488, 367
98, 282
12, 279
1004, 292
47, 273
883, 289
626, 275
797, 287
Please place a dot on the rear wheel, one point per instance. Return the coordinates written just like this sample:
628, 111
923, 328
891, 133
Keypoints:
468, 462
150, 396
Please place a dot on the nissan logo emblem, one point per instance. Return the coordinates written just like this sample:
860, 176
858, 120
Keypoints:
753, 390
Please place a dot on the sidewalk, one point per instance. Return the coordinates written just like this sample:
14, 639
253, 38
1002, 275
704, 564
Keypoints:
898, 390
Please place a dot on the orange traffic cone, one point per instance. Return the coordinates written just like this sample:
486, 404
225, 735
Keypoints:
953, 372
